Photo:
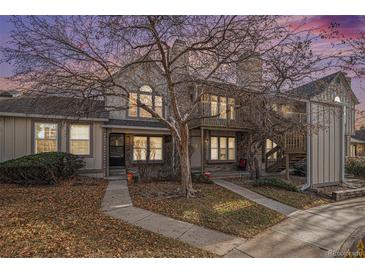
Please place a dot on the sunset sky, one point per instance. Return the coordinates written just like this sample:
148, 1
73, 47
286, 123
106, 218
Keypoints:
350, 26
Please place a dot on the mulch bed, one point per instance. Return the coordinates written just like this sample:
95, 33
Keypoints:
214, 207
65, 221
300, 200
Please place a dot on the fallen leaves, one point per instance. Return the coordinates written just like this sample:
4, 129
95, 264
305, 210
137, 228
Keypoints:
65, 221
215, 208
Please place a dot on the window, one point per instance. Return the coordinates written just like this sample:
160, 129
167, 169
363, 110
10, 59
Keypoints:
146, 96
147, 100
155, 153
139, 148
231, 104
222, 148
147, 148
213, 105
45, 137
223, 107
214, 148
80, 139
133, 109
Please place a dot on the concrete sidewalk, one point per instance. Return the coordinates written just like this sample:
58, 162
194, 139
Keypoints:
117, 204
257, 198
316, 232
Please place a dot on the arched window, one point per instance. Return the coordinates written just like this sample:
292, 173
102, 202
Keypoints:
146, 96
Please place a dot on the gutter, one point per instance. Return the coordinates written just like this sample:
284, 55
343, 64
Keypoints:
25, 115
308, 184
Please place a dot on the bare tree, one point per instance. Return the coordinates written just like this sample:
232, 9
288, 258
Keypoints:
84, 56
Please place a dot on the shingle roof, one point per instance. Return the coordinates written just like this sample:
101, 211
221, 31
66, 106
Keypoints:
315, 87
135, 123
54, 105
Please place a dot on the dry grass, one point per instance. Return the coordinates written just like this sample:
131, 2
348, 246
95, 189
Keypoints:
215, 208
295, 199
65, 221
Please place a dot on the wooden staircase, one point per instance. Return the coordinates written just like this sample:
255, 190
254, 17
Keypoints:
292, 146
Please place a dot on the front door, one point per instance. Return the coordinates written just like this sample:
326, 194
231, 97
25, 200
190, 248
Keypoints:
116, 149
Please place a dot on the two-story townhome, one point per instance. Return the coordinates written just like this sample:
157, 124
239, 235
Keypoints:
113, 134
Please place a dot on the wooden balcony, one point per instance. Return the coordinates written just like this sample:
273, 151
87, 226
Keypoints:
227, 119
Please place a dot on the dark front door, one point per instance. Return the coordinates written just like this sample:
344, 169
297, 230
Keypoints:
116, 149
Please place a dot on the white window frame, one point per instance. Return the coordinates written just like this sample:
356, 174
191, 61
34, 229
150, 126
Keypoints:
70, 139
36, 138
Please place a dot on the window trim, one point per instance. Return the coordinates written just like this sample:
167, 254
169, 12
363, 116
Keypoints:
33, 132
148, 160
227, 149
91, 139
153, 94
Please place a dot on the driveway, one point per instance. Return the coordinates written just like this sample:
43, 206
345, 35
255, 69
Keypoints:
316, 232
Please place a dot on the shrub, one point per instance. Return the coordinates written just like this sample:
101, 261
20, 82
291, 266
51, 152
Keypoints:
201, 178
300, 168
355, 166
41, 168
273, 182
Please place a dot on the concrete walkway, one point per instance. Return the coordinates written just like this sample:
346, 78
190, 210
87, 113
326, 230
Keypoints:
117, 203
257, 198
316, 232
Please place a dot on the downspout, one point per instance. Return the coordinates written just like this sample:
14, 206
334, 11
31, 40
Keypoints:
308, 184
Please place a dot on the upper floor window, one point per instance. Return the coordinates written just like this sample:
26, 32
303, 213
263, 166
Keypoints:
45, 137
80, 139
147, 97
222, 107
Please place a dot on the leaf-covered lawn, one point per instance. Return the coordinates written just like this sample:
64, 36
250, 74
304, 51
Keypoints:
295, 199
215, 208
65, 221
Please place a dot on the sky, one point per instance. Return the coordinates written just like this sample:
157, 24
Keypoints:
349, 26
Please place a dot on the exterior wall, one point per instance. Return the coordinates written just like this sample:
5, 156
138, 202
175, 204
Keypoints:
326, 144
17, 139
133, 79
215, 165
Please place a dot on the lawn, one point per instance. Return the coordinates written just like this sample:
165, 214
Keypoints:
215, 207
65, 221
298, 200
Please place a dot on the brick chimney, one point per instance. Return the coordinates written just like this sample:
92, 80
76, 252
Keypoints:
249, 72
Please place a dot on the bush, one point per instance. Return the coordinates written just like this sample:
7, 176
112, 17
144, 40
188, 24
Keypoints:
355, 166
41, 168
275, 183
201, 178
300, 168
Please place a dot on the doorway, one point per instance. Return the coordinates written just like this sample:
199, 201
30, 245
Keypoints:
116, 149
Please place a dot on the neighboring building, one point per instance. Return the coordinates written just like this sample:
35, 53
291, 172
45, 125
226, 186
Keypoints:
110, 139
357, 148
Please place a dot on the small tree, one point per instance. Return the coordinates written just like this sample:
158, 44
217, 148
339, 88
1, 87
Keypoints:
84, 57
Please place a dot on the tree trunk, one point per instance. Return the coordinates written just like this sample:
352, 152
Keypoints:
186, 180
253, 162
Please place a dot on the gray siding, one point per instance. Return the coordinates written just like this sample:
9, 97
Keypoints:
16, 140
326, 137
